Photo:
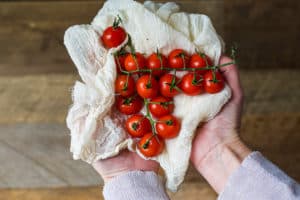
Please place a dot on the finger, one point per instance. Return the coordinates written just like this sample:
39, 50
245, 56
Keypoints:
231, 75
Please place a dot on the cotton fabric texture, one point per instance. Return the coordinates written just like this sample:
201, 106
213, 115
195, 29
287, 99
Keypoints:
96, 127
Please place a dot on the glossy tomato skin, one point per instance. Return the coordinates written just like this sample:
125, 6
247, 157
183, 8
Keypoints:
147, 86
191, 84
134, 62
113, 36
168, 127
121, 88
178, 59
164, 85
213, 87
129, 106
138, 125
154, 147
197, 62
165, 106
120, 62
155, 62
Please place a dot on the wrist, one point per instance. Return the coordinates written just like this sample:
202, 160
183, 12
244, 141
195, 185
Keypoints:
218, 165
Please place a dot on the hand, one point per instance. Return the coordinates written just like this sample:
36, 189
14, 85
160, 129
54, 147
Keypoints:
217, 149
121, 164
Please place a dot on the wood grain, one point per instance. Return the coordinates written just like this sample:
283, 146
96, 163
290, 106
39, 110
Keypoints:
189, 191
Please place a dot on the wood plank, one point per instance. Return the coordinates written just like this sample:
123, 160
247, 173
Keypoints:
267, 34
32, 40
189, 191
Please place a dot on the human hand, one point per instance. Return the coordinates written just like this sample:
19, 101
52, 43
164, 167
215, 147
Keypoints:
217, 149
125, 162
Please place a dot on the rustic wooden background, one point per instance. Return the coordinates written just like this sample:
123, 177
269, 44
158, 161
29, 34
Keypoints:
36, 75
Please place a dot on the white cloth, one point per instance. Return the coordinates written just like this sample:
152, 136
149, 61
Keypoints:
96, 129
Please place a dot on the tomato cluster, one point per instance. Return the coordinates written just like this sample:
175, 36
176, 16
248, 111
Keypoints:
152, 82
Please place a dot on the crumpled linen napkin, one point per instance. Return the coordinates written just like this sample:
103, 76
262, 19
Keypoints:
96, 127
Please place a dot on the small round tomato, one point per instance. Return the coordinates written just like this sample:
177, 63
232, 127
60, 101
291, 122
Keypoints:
134, 62
138, 125
178, 59
120, 62
192, 84
199, 61
156, 61
168, 127
213, 83
151, 145
114, 35
147, 86
124, 85
168, 85
129, 106
161, 106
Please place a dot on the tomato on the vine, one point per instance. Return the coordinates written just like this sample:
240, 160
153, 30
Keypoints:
178, 59
147, 86
199, 61
156, 61
114, 35
213, 82
168, 126
151, 145
130, 105
168, 85
120, 62
161, 106
138, 125
134, 62
192, 84
125, 85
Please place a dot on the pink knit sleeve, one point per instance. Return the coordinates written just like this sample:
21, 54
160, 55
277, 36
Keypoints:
135, 185
259, 179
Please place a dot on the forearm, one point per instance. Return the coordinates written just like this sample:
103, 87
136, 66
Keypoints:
217, 166
135, 185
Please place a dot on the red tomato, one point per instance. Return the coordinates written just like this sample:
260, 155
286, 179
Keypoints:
129, 106
134, 62
199, 61
213, 86
192, 84
120, 62
113, 36
124, 85
138, 125
168, 127
151, 145
147, 86
168, 85
161, 106
178, 59
156, 61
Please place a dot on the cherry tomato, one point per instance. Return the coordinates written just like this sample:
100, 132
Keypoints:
168, 127
129, 106
138, 125
168, 85
113, 36
151, 145
161, 106
199, 61
134, 62
120, 62
156, 61
192, 84
178, 59
124, 85
147, 86
212, 85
